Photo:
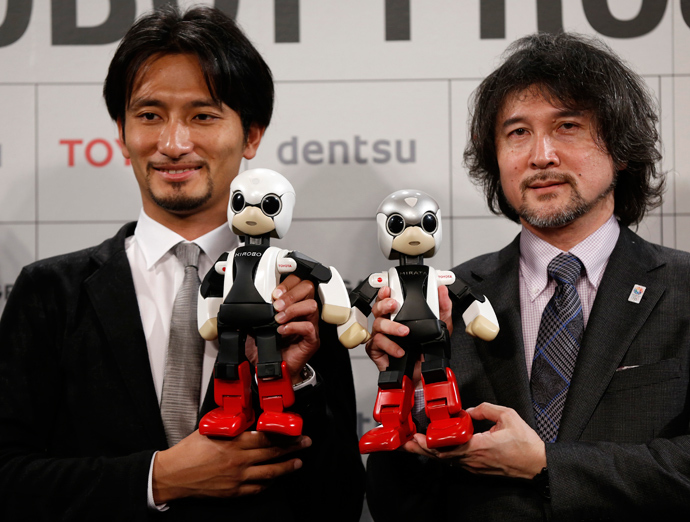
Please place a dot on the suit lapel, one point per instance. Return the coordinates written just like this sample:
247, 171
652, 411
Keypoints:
504, 357
613, 324
111, 290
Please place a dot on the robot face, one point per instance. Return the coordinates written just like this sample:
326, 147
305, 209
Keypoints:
409, 222
261, 201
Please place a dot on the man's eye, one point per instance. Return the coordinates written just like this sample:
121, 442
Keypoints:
204, 117
148, 116
519, 132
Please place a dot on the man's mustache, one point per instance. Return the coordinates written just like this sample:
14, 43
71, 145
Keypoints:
558, 177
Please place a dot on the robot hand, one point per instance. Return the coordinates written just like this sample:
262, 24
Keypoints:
354, 331
209, 330
480, 320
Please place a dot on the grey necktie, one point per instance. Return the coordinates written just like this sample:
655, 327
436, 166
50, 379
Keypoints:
558, 343
182, 380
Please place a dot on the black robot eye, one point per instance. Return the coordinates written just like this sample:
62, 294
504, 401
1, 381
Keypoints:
429, 223
237, 202
395, 225
271, 205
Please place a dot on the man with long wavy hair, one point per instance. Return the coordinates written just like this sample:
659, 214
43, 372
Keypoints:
581, 405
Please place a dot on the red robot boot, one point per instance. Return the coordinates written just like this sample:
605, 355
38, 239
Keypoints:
393, 410
235, 413
275, 395
450, 425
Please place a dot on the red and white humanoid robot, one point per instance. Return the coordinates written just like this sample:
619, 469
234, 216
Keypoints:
409, 229
235, 301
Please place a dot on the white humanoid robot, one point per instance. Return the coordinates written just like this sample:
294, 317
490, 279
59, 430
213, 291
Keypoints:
235, 301
409, 229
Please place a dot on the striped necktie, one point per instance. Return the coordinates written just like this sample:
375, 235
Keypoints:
182, 379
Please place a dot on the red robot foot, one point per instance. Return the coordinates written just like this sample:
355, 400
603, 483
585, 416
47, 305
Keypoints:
235, 413
385, 438
285, 423
276, 395
450, 432
217, 423
393, 409
450, 425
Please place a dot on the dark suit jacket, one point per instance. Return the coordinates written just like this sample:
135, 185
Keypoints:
623, 450
79, 417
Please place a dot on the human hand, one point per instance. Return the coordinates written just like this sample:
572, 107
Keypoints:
445, 308
200, 466
298, 317
380, 346
510, 448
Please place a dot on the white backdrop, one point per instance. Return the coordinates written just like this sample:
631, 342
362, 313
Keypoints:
371, 97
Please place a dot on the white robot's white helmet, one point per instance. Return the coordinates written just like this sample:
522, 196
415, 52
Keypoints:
261, 201
409, 222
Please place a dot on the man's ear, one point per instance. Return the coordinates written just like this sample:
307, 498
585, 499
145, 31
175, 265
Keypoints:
253, 140
121, 134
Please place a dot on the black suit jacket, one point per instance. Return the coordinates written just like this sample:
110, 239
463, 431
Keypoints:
623, 449
79, 416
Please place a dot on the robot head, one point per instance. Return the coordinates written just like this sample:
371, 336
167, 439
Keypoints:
261, 201
409, 222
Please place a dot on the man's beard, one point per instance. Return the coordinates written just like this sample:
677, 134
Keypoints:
179, 201
576, 206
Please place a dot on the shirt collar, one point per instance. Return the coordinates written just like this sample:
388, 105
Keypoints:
156, 240
594, 252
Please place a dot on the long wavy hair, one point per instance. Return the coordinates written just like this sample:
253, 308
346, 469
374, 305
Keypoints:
579, 73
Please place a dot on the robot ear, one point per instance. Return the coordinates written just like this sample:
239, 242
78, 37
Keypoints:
438, 235
385, 239
283, 219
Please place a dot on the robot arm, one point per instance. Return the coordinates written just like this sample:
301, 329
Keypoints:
479, 316
210, 299
332, 292
355, 331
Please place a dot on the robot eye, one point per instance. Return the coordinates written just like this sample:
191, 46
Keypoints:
429, 223
271, 205
395, 225
237, 202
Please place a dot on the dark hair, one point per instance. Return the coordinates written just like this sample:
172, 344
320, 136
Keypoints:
580, 73
235, 72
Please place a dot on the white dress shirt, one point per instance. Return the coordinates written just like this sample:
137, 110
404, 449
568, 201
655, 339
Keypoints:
158, 275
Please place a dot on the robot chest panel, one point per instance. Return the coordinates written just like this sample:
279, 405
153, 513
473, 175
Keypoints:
415, 290
253, 275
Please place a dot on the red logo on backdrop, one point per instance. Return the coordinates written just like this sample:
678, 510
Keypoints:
98, 152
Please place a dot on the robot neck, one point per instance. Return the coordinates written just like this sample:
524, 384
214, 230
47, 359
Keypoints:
264, 240
411, 260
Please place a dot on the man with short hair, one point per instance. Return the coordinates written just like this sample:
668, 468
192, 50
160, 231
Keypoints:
581, 405
83, 365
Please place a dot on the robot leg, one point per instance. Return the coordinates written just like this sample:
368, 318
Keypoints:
449, 425
232, 389
393, 408
275, 387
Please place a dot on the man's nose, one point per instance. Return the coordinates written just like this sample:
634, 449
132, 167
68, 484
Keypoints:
544, 153
174, 140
